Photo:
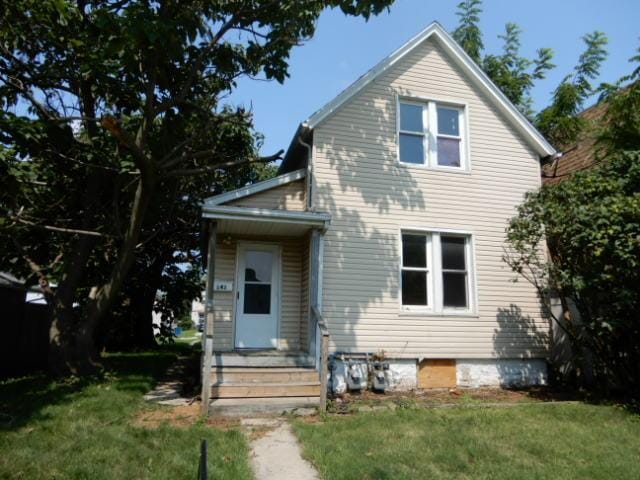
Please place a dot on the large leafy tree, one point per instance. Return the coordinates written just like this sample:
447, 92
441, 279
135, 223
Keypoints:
590, 224
106, 107
167, 273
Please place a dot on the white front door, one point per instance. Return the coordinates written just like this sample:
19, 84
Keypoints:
258, 296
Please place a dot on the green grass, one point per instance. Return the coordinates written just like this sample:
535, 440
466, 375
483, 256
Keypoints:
188, 337
576, 441
85, 429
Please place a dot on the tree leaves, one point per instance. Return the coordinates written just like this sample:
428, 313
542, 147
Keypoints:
591, 223
109, 109
510, 71
467, 33
559, 122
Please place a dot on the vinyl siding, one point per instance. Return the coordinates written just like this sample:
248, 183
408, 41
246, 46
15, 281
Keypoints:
371, 197
290, 196
304, 287
291, 294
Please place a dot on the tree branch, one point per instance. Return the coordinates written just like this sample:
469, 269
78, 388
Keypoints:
51, 228
213, 168
43, 281
140, 159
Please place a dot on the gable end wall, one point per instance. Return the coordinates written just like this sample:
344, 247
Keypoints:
371, 197
290, 196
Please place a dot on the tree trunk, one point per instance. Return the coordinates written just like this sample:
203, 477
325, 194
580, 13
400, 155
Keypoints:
101, 299
142, 305
71, 349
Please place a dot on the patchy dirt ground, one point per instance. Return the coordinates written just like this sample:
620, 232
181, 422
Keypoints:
181, 416
187, 415
435, 397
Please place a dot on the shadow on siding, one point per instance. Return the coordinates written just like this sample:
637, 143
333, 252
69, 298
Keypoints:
519, 334
362, 255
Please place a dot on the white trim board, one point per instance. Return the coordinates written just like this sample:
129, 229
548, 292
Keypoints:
256, 187
462, 59
225, 212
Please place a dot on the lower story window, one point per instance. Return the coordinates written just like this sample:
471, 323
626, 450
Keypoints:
436, 271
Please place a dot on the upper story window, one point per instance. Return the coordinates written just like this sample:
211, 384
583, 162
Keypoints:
431, 134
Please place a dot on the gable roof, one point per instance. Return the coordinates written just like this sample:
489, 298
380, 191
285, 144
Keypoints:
462, 59
255, 188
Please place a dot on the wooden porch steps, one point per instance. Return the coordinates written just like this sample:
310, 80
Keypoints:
260, 406
262, 359
264, 390
280, 388
248, 375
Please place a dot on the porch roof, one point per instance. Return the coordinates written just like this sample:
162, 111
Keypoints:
262, 221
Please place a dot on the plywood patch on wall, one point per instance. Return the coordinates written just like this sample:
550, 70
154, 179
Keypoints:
438, 373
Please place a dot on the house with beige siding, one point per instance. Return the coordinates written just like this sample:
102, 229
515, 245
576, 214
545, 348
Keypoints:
374, 258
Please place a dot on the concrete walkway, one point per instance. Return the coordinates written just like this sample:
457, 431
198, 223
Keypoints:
277, 454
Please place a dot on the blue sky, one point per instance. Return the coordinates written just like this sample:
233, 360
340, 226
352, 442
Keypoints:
345, 47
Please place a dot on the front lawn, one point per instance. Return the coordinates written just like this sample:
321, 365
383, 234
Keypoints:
89, 429
564, 441
189, 337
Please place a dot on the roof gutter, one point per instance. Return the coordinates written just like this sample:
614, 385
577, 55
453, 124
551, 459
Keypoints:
309, 179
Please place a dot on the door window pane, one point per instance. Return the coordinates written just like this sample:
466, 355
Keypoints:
448, 152
448, 122
411, 118
454, 286
411, 148
453, 253
414, 252
414, 288
257, 299
258, 266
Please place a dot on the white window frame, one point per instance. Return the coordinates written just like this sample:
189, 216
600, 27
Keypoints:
434, 279
428, 270
430, 143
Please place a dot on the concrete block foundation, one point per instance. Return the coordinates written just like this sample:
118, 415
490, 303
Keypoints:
475, 373
402, 374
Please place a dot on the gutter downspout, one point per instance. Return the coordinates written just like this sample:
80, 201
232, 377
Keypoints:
309, 173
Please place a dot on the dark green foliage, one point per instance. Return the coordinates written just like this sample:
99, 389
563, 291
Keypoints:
113, 128
513, 74
467, 33
621, 123
559, 122
591, 223
516, 75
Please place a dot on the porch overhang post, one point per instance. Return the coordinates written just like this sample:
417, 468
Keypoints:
318, 332
207, 340
315, 288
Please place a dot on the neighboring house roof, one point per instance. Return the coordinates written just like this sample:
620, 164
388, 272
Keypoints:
461, 58
580, 155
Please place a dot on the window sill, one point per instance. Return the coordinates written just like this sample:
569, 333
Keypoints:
429, 313
436, 169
